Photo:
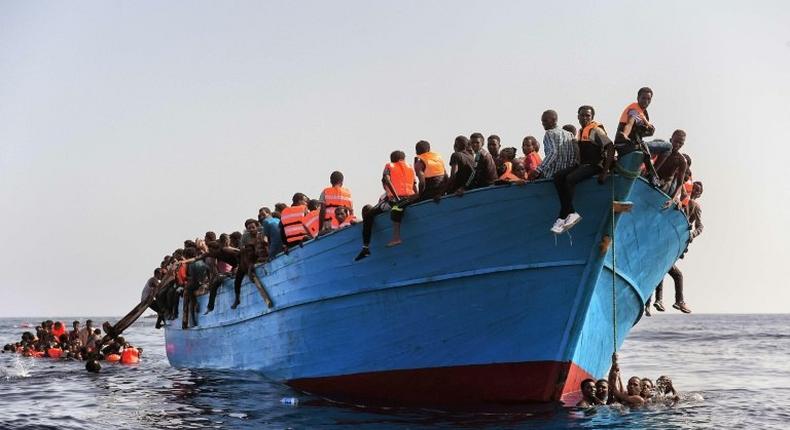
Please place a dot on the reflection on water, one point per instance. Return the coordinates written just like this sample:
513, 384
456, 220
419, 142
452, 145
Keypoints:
733, 372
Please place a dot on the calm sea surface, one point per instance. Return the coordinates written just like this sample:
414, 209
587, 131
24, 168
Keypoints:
733, 371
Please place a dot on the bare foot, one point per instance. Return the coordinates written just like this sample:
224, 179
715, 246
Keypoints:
393, 243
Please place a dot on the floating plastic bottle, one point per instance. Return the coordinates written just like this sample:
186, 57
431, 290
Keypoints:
290, 401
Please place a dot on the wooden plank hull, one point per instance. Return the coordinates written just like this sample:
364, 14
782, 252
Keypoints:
479, 305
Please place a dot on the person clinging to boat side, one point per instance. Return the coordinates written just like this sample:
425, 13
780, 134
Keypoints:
671, 168
334, 196
634, 125
596, 152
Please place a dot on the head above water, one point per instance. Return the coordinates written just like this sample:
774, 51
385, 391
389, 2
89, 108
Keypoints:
648, 388
585, 114
644, 96
549, 119
422, 147
336, 178
634, 387
494, 143
602, 390
588, 389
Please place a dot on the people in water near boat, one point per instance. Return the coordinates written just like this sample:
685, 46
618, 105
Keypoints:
399, 181
596, 152
66, 346
631, 395
602, 391
332, 197
589, 398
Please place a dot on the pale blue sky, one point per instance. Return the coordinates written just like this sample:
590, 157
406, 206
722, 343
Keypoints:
111, 111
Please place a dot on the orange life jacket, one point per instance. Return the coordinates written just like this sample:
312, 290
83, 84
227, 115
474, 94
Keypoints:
311, 221
632, 106
509, 175
536, 158
687, 187
402, 178
37, 354
113, 358
54, 352
584, 134
130, 356
434, 165
333, 197
57, 332
292, 219
181, 274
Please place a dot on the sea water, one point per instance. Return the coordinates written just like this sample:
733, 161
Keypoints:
733, 371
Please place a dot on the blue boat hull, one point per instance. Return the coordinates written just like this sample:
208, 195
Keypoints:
480, 304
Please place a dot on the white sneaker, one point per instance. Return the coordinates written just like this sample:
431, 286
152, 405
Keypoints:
570, 221
558, 225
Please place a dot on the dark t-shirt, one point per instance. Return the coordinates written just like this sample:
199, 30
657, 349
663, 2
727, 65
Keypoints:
675, 164
466, 165
197, 272
485, 170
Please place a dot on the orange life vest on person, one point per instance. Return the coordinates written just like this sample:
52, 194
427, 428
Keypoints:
632, 106
508, 175
57, 332
37, 354
181, 274
54, 352
434, 165
311, 221
130, 356
333, 197
536, 158
687, 187
402, 178
113, 358
292, 219
584, 134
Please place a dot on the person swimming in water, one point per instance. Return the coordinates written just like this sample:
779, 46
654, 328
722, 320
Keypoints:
589, 398
631, 396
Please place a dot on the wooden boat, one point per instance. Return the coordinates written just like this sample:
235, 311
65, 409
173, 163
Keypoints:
481, 304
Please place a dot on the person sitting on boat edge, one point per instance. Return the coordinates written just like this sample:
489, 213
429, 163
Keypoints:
462, 164
292, 228
484, 173
671, 168
493, 144
588, 399
531, 159
596, 153
334, 196
398, 180
431, 184
513, 171
631, 395
271, 230
341, 219
634, 125
559, 146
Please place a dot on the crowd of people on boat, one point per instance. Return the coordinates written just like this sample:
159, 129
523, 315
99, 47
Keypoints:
637, 393
571, 156
52, 339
